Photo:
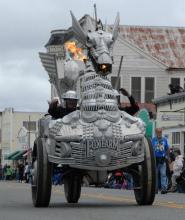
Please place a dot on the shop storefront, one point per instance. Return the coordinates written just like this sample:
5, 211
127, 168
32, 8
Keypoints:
171, 117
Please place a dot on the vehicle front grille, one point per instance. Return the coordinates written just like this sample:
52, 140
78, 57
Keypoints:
81, 157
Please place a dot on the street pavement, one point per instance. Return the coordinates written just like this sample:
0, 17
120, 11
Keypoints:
94, 204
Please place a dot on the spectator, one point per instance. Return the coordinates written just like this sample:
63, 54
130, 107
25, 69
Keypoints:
181, 179
129, 181
27, 171
161, 148
57, 176
175, 89
21, 172
4, 171
9, 172
170, 166
177, 169
1, 172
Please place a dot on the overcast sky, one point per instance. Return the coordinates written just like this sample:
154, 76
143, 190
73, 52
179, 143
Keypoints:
25, 27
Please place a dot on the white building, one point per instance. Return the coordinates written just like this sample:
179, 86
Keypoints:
153, 57
171, 117
18, 131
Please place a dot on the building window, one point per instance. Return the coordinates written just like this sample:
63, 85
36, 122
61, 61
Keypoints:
30, 125
175, 138
5, 156
23, 139
149, 89
175, 81
136, 88
114, 82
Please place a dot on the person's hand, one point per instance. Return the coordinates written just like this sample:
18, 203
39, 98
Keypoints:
124, 92
54, 101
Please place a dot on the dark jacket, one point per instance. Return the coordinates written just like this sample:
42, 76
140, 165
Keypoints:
132, 109
58, 111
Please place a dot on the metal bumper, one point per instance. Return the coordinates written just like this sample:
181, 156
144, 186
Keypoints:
91, 165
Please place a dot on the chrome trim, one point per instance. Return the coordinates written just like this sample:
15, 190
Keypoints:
72, 163
63, 161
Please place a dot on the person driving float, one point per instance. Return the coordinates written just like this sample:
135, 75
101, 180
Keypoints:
56, 110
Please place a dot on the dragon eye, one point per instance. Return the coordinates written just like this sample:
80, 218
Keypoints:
104, 69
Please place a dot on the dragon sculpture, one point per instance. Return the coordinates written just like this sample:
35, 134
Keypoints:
99, 128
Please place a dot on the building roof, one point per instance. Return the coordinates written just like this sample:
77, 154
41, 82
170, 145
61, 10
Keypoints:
59, 37
166, 44
169, 98
149, 106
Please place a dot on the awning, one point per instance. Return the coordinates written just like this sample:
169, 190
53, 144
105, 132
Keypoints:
19, 155
9, 156
27, 152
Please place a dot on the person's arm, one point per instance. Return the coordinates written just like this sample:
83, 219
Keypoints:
167, 148
55, 109
52, 106
134, 105
179, 164
133, 108
153, 143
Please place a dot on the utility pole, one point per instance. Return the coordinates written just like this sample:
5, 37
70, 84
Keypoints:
119, 71
29, 132
95, 14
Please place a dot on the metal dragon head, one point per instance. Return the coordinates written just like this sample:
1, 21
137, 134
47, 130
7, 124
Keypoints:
99, 44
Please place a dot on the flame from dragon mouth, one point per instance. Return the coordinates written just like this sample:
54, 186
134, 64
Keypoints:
76, 53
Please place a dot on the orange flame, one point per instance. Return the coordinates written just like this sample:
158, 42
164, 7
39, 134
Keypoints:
75, 52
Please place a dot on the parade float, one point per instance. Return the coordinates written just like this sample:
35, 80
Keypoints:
96, 139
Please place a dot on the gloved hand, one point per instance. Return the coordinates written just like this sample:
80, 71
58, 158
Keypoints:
124, 92
54, 102
55, 99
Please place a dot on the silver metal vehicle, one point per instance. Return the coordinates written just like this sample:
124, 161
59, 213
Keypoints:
96, 139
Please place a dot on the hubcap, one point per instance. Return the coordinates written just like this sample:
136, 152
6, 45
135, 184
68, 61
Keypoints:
34, 174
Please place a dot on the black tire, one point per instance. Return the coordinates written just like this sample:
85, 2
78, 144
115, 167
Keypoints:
145, 180
72, 188
41, 177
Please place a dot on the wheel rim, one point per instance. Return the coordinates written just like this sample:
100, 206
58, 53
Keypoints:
34, 178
